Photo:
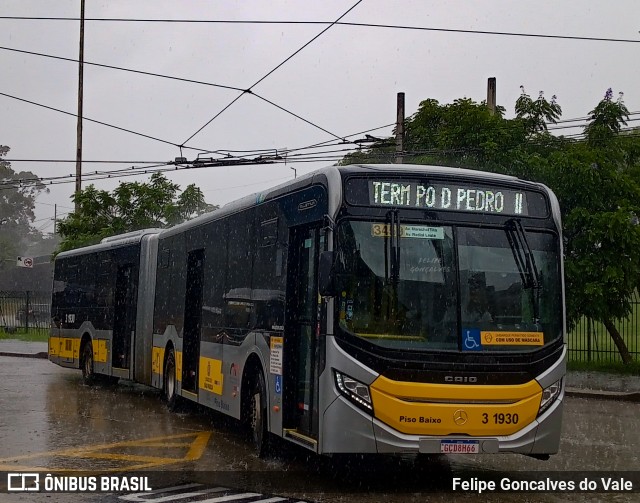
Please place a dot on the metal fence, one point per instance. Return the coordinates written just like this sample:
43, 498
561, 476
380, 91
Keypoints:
25, 312
590, 341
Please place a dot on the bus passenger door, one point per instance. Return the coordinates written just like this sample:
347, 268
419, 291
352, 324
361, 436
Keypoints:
192, 321
124, 316
300, 335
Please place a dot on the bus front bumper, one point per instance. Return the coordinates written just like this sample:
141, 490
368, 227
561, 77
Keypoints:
351, 430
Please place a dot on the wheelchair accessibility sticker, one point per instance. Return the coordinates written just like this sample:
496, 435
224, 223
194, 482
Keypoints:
471, 340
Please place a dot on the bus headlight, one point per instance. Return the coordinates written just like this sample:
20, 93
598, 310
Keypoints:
549, 395
355, 391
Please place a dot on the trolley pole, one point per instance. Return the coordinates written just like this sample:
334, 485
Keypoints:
80, 86
400, 128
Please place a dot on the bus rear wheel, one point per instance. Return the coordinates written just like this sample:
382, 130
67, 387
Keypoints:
169, 381
258, 417
86, 363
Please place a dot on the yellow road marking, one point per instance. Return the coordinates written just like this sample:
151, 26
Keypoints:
195, 450
168, 444
197, 447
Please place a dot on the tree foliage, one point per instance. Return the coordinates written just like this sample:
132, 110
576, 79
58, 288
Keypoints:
131, 206
18, 191
596, 180
536, 114
606, 120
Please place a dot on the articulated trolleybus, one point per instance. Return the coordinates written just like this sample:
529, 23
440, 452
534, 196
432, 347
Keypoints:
358, 309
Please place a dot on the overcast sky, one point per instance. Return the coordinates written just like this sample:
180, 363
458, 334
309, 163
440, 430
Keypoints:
344, 82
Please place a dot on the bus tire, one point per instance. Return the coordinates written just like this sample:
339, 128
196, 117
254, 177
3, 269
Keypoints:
169, 381
86, 363
258, 416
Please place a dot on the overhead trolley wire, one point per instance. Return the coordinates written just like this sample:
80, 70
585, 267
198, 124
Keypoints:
130, 131
225, 152
249, 90
120, 68
89, 119
310, 157
296, 116
83, 161
181, 79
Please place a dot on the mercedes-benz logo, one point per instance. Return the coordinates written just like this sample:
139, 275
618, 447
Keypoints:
460, 417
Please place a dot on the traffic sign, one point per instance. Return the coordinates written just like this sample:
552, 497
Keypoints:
24, 262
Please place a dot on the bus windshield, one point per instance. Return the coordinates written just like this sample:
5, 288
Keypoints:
408, 288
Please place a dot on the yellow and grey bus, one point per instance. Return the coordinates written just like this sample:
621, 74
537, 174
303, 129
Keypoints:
357, 309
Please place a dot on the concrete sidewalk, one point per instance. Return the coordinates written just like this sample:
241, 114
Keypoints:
589, 384
599, 385
24, 349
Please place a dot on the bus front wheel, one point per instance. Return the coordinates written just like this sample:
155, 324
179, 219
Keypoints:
258, 416
169, 381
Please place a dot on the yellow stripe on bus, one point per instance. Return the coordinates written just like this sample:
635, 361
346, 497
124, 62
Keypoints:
64, 347
100, 352
157, 360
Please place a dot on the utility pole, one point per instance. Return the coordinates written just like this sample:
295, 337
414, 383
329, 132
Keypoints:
400, 128
80, 86
55, 219
491, 95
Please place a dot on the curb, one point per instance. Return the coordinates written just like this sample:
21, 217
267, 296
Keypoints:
621, 396
42, 354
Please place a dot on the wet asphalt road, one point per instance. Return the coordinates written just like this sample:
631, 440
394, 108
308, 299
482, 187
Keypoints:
50, 421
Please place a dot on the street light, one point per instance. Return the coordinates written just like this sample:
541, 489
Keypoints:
295, 172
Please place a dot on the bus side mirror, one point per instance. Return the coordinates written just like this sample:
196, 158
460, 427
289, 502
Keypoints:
326, 275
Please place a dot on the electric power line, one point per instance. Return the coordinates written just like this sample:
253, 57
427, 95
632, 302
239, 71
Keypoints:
248, 91
338, 23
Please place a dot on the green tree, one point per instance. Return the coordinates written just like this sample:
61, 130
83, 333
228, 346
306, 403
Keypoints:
600, 201
463, 133
602, 239
131, 206
536, 114
606, 121
18, 191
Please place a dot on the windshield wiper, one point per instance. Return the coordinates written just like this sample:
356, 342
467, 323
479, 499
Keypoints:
392, 272
525, 262
394, 232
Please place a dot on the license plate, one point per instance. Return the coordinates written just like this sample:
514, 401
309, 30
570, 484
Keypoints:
460, 446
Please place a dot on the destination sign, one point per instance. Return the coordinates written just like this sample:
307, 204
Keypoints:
464, 197
447, 197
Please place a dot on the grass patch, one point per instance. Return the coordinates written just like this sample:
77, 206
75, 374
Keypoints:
611, 367
33, 335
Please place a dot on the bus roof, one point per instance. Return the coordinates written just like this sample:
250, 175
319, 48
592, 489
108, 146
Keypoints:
117, 241
331, 176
